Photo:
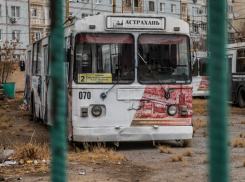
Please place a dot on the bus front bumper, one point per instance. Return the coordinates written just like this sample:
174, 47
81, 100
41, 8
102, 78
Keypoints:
118, 134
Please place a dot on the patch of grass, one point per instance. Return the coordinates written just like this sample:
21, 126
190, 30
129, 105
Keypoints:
30, 130
169, 150
3, 126
185, 161
200, 106
205, 133
194, 130
174, 158
1, 113
96, 154
189, 152
161, 148
243, 162
5, 119
21, 128
241, 134
243, 122
17, 134
198, 123
8, 110
231, 123
180, 156
187, 143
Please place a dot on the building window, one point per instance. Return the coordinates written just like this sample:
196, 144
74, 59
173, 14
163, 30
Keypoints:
194, 28
0, 10
128, 2
151, 6
183, 9
136, 3
195, 11
204, 27
111, 2
33, 12
37, 35
231, 9
98, 1
17, 57
85, 1
204, 10
173, 8
70, 14
162, 7
16, 35
15, 11
0, 35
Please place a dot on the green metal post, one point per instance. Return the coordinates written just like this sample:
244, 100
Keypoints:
58, 101
218, 92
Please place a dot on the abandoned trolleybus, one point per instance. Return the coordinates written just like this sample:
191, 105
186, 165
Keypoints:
129, 78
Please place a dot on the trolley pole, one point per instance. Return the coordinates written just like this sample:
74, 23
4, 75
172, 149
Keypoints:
67, 11
218, 92
114, 6
58, 101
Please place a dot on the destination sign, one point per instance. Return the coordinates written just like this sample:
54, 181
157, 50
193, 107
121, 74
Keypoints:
135, 23
95, 78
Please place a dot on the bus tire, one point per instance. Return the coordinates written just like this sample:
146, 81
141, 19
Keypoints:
241, 97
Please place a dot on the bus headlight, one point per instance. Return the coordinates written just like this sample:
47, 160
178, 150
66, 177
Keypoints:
172, 110
96, 111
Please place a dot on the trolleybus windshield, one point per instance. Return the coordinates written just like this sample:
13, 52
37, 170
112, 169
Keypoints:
167, 56
104, 58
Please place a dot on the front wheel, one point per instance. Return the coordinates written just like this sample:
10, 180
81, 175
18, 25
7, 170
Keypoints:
241, 97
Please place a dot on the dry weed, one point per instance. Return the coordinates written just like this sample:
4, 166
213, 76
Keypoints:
240, 142
5, 119
243, 122
169, 150
1, 113
180, 156
189, 152
96, 154
194, 130
241, 134
231, 123
199, 122
25, 125
174, 158
3, 126
8, 110
10, 124
187, 143
205, 133
243, 162
205, 160
185, 161
161, 148
30, 130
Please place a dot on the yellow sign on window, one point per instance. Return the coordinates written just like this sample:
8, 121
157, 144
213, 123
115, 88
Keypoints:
95, 78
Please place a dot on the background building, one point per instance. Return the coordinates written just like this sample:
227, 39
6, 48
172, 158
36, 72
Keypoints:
14, 25
239, 19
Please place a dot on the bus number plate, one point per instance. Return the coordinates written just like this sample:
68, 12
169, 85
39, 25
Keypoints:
84, 95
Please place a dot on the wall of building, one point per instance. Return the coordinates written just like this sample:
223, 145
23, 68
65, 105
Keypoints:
239, 24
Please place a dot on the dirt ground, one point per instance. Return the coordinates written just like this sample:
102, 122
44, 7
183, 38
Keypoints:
144, 161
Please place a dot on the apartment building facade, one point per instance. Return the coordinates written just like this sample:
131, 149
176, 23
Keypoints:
239, 19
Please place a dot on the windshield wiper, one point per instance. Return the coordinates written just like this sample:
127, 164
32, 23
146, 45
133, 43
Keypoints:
103, 95
166, 93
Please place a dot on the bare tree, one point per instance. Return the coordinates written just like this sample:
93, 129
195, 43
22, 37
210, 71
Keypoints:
8, 59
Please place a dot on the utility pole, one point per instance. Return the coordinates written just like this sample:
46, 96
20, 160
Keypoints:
114, 6
132, 6
67, 12
244, 30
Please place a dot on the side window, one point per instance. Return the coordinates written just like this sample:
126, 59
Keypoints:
45, 50
203, 67
195, 68
230, 65
39, 58
34, 59
240, 65
28, 63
